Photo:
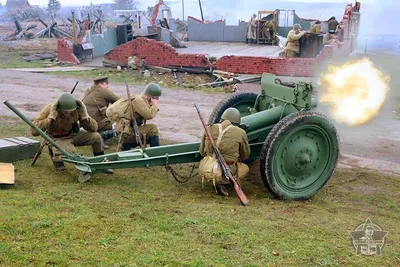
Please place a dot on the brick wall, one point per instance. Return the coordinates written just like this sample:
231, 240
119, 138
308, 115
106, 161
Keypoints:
156, 54
65, 52
162, 54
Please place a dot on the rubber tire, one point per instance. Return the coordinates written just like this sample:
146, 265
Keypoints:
230, 102
272, 142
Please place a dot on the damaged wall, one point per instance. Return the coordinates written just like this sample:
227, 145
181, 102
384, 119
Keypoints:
161, 54
216, 31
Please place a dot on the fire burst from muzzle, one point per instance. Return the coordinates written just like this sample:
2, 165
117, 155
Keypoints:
354, 92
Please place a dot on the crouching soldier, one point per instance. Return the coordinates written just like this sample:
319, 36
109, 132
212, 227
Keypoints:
97, 98
62, 120
145, 108
233, 145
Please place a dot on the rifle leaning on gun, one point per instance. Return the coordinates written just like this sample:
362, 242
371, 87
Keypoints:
225, 168
133, 119
44, 142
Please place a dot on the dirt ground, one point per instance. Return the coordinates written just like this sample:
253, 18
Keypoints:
376, 145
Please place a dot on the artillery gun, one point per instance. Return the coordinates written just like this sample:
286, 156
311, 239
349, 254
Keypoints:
297, 148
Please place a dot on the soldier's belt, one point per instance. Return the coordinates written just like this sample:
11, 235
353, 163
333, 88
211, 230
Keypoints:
60, 134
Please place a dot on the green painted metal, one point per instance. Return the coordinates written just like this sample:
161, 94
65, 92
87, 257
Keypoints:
17, 148
272, 94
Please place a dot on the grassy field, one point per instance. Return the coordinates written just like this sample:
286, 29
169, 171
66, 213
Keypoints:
142, 217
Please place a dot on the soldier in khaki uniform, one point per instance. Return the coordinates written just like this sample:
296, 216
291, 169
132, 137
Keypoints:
62, 120
233, 145
97, 98
145, 108
292, 44
316, 28
269, 30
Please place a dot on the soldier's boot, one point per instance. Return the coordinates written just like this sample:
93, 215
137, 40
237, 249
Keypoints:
107, 134
154, 141
59, 165
221, 189
107, 171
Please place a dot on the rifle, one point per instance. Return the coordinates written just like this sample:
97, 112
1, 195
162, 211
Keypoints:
73, 89
225, 168
133, 119
39, 151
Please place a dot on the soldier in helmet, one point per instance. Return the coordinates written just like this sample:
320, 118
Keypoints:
292, 43
97, 98
62, 120
233, 144
145, 108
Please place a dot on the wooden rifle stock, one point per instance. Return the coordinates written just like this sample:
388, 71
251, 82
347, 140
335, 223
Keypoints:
39, 151
225, 168
135, 125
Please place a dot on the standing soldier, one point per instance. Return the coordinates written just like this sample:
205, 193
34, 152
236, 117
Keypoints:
269, 30
232, 142
145, 108
97, 98
251, 30
62, 120
292, 44
332, 25
316, 28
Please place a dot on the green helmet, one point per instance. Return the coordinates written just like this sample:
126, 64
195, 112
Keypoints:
67, 102
232, 115
153, 89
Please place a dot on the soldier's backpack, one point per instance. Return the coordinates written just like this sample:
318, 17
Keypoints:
120, 112
209, 167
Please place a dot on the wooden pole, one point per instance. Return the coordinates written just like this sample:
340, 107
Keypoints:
74, 38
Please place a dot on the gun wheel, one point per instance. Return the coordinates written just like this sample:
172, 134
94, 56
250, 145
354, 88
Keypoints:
240, 100
299, 155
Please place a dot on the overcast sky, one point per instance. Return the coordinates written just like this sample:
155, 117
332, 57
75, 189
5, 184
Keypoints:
152, 2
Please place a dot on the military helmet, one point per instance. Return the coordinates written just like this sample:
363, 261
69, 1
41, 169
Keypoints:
232, 115
67, 102
152, 89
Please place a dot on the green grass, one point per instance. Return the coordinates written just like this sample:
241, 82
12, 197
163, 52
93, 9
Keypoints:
142, 217
14, 59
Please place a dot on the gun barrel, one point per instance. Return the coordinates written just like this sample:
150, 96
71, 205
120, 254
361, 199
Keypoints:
37, 129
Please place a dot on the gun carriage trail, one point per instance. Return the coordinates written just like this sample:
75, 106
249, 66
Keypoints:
374, 145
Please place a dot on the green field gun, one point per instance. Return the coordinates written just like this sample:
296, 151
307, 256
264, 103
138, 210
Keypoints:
297, 148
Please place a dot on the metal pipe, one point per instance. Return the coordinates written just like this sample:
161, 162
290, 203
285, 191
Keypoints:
183, 10
263, 118
37, 129
201, 11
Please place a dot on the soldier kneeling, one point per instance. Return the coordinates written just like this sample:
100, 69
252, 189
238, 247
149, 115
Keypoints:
233, 145
144, 108
62, 120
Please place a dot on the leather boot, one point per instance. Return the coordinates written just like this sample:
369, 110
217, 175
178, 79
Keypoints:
154, 141
221, 190
107, 171
59, 165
